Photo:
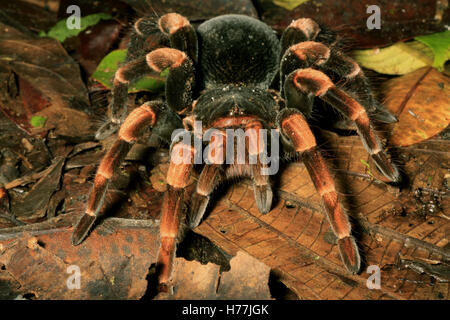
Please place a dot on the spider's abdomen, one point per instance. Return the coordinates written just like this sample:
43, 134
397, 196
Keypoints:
239, 50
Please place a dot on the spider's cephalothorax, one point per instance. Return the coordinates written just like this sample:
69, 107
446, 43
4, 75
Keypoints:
227, 65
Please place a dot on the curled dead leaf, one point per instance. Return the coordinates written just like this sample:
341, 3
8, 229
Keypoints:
67, 122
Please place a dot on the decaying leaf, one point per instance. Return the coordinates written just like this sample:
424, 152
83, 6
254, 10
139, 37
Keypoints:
34, 204
46, 65
111, 264
67, 122
247, 280
421, 101
400, 58
47, 77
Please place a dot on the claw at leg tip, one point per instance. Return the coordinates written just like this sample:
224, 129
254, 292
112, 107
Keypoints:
82, 229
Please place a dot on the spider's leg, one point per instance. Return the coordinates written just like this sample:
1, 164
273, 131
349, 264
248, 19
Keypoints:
301, 56
338, 66
181, 34
294, 127
300, 30
352, 79
179, 82
128, 133
310, 82
181, 161
306, 29
118, 106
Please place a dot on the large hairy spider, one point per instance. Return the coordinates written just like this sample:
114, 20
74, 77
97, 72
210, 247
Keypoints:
228, 65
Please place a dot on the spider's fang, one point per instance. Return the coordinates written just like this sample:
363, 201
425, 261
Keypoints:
263, 197
199, 205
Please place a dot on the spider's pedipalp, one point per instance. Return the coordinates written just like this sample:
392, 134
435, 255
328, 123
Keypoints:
308, 81
261, 188
256, 148
210, 177
294, 126
140, 117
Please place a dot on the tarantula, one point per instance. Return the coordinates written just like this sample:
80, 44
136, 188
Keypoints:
224, 74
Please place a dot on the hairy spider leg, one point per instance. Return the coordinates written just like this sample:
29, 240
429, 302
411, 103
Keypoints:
145, 115
306, 29
294, 127
182, 37
181, 34
181, 162
316, 83
343, 70
179, 79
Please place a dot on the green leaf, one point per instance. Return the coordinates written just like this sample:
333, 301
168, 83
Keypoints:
400, 58
439, 43
114, 60
289, 4
38, 121
60, 31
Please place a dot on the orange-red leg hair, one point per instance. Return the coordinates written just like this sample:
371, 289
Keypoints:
261, 187
256, 147
314, 82
181, 162
210, 177
295, 128
128, 133
183, 39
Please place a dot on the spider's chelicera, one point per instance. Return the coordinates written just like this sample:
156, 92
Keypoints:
226, 74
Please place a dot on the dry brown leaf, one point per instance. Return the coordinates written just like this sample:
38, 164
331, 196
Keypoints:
113, 262
35, 203
46, 65
47, 76
421, 101
295, 239
247, 280
67, 122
